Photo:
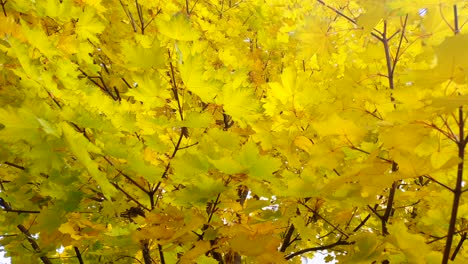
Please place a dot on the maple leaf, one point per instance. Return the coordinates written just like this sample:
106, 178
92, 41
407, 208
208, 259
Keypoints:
89, 26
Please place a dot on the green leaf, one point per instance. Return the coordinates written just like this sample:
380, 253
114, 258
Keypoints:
18, 124
191, 72
197, 120
260, 167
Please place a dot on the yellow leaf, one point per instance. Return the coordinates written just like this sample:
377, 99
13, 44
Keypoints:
450, 61
89, 26
314, 38
69, 228
254, 245
149, 90
366, 249
336, 125
179, 28
96, 4
191, 71
140, 54
240, 103
413, 245
303, 143
199, 248
441, 159
375, 12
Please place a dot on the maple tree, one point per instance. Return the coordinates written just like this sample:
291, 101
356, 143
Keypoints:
229, 131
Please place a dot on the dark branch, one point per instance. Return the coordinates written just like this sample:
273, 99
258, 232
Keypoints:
3, 3
457, 249
146, 252
363, 222
300, 252
161, 254
130, 197
14, 165
78, 255
33, 243
287, 238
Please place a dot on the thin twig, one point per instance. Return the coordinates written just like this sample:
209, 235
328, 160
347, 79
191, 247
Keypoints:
129, 15
140, 17
300, 252
457, 249
363, 222
14, 165
125, 175
130, 197
348, 18
325, 220
3, 3
438, 182
398, 54
166, 170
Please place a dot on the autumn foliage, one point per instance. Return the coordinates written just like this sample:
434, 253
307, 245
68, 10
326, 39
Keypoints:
233, 131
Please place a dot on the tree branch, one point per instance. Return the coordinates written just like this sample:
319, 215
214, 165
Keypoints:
14, 165
146, 252
388, 208
338, 12
129, 15
161, 254
140, 17
457, 249
457, 192
300, 252
398, 52
3, 3
287, 238
129, 196
126, 176
363, 222
166, 170
438, 182
33, 243
78, 255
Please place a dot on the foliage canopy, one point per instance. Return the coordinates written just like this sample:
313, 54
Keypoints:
220, 131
